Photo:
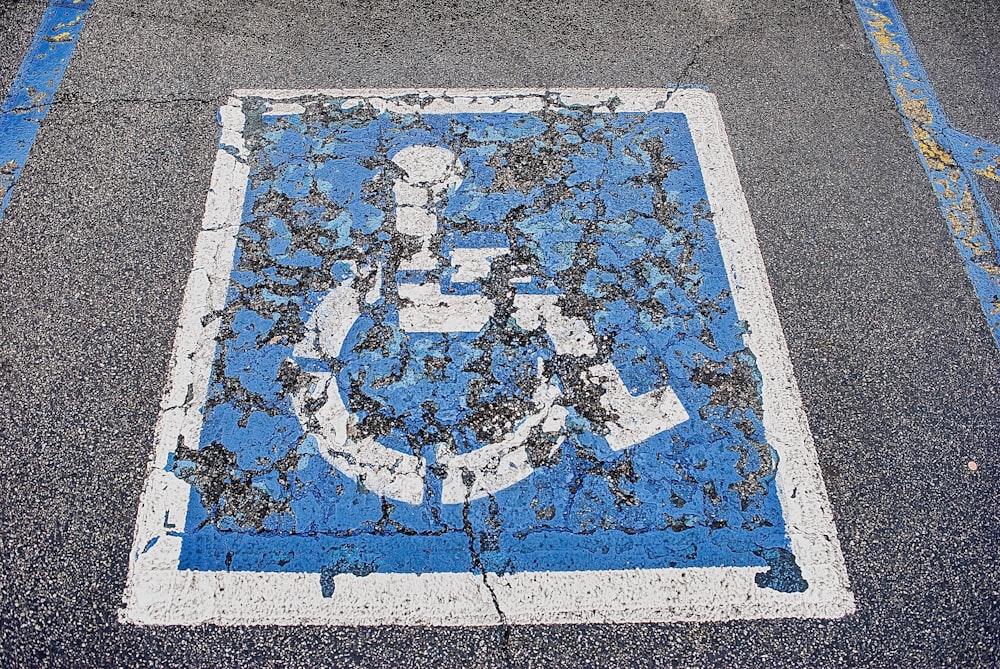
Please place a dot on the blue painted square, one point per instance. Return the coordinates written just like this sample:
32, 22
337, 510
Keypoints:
606, 211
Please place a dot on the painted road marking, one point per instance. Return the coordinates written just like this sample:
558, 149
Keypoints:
476, 358
952, 159
428, 173
36, 83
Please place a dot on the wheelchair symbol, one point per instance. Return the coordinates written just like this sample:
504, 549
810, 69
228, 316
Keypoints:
429, 172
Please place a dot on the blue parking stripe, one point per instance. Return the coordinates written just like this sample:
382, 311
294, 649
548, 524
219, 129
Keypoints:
952, 159
34, 87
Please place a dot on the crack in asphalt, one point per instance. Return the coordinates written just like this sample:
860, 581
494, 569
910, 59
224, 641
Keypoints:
71, 99
685, 75
477, 564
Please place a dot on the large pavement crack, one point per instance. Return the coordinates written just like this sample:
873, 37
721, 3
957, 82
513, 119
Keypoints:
477, 564
71, 100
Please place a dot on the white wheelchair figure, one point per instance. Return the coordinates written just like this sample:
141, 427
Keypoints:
429, 172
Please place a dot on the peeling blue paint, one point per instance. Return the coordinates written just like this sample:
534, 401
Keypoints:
952, 159
618, 220
34, 87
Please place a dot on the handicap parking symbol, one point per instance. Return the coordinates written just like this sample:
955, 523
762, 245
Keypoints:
474, 357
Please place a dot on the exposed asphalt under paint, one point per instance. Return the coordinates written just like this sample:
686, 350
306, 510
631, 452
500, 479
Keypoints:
896, 367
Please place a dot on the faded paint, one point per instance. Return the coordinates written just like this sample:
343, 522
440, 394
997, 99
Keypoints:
983, 157
619, 438
34, 88
950, 158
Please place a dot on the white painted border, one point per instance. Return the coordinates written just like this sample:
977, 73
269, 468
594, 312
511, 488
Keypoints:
157, 593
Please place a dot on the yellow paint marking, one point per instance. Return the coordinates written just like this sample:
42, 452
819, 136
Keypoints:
60, 26
990, 173
919, 114
64, 36
883, 37
937, 157
930, 136
946, 188
914, 109
968, 229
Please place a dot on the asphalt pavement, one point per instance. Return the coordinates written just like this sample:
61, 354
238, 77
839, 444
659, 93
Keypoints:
898, 371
